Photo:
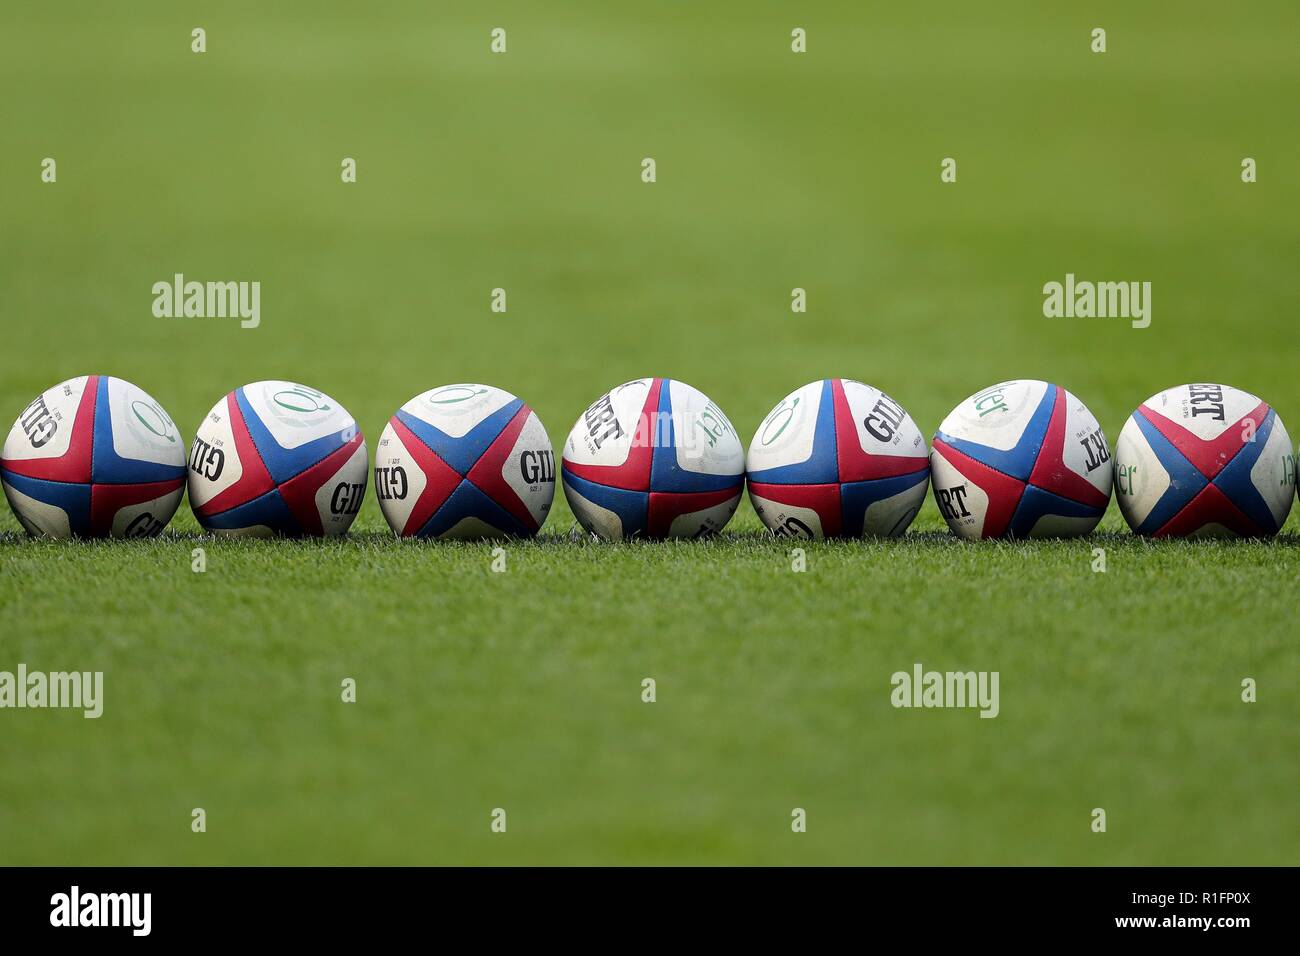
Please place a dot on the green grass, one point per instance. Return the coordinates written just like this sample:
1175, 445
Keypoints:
522, 690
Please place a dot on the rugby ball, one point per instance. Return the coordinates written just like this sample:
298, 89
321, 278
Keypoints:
277, 458
837, 458
465, 461
1206, 460
1021, 459
653, 458
94, 456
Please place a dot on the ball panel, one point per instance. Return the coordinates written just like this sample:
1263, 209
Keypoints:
489, 472
612, 441
430, 480
225, 469
463, 451
326, 497
798, 511
1209, 514
1082, 451
136, 441
1072, 445
134, 511
671, 514
701, 450
400, 479
701, 522
293, 426
1274, 472
1061, 526
262, 517
794, 435
1181, 509
795, 444
1042, 514
456, 410
675, 469
1207, 455
1203, 411
977, 501
884, 507
1010, 435
526, 472
54, 436
875, 436
469, 513
470, 528
1010, 417
292, 416
1260, 478
612, 513
1142, 481
51, 509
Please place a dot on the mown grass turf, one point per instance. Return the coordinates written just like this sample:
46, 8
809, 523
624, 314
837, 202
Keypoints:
522, 689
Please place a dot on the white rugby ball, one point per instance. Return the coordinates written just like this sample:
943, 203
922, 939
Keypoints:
653, 458
1206, 460
465, 461
837, 458
1021, 459
277, 457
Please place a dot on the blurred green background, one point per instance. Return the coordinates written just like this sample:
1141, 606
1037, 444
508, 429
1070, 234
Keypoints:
522, 171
